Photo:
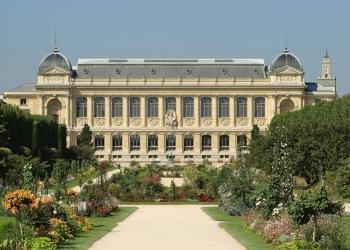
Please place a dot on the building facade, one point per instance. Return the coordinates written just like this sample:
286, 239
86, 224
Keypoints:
155, 109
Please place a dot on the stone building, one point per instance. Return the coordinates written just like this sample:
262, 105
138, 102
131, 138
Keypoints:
155, 109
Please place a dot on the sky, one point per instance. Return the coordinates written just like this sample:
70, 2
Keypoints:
173, 29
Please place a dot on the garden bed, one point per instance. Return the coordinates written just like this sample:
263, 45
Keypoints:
235, 227
101, 226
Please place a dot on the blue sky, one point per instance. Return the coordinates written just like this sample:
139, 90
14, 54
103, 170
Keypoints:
173, 28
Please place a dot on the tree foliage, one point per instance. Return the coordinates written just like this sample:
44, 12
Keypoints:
317, 135
311, 205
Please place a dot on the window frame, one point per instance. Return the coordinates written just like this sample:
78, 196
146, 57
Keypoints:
152, 107
152, 143
206, 107
242, 107
99, 107
224, 143
134, 107
99, 143
170, 145
224, 107
206, 142
134, 143
188, 107
81, 107
188, 139
116, 106
259, 107
117, 146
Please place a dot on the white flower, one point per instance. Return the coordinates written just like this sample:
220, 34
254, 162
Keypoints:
54, 212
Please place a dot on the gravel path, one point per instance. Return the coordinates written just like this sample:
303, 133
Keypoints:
170, 227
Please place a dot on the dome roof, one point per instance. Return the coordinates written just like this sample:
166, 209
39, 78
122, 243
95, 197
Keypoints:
55, 59
286, 59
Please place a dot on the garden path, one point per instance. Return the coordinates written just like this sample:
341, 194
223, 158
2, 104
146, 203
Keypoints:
170, 227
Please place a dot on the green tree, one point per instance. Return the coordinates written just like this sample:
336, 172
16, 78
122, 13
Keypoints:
342, 179
236, 193
85, 136
311, 205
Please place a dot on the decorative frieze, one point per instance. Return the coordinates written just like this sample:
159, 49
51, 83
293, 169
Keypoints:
117, 122
260, 121
242, 122
188, 122
153, 122
81, 121
99, 121
206, 122
135, 122
223, 122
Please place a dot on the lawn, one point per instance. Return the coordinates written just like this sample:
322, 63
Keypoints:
346, 229
102, 226
234, 226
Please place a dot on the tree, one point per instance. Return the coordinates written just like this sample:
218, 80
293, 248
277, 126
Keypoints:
85, 136
278, 192
311, 205
236, 193
342, 179
317, 137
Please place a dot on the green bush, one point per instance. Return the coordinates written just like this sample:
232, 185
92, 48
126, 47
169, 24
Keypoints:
4, 152
342, 179
40, 243
299, 244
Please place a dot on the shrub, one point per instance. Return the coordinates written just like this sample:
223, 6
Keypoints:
342, 179
59, 230
328, 233
40, 243
17, 200
236, 193
4, 152
298, 244
281, 226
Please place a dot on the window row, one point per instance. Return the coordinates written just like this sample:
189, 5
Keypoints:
134, 108
170, 142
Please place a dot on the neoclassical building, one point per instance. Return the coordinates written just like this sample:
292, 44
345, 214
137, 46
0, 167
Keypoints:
152, 109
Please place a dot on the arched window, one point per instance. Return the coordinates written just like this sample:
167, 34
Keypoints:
117, 107
224, 143
206, 142
224, 107
188, 107
205, 107
170, 104
99, 142
170, 142
242, 142
117, 142
259, 106
286, 106
81, 106
242, 107
152, 107
152, 142
188, 142
99, 106
134, 106
134, 142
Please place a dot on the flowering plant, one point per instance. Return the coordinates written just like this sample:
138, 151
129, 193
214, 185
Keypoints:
19, 199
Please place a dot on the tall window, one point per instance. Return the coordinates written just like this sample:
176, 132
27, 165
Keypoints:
152, 108
81, 106
205, 107
224, 143
188, 142
99, 106
242, 141
170, 142
134, 107
224, 107
117, 142
188, 107
170, 104
259, 107
99, 142
152, 142
117, 107
134, 142
206, 142
241, 107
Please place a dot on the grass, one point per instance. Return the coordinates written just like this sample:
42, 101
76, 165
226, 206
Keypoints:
345, 222
235, 227
177, 202
102, 226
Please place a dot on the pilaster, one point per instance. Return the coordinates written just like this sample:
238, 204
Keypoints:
90, 111
179, 110
233, 111
196, 110
214, 102
108, 111
161, 110
143, 116
125, 111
